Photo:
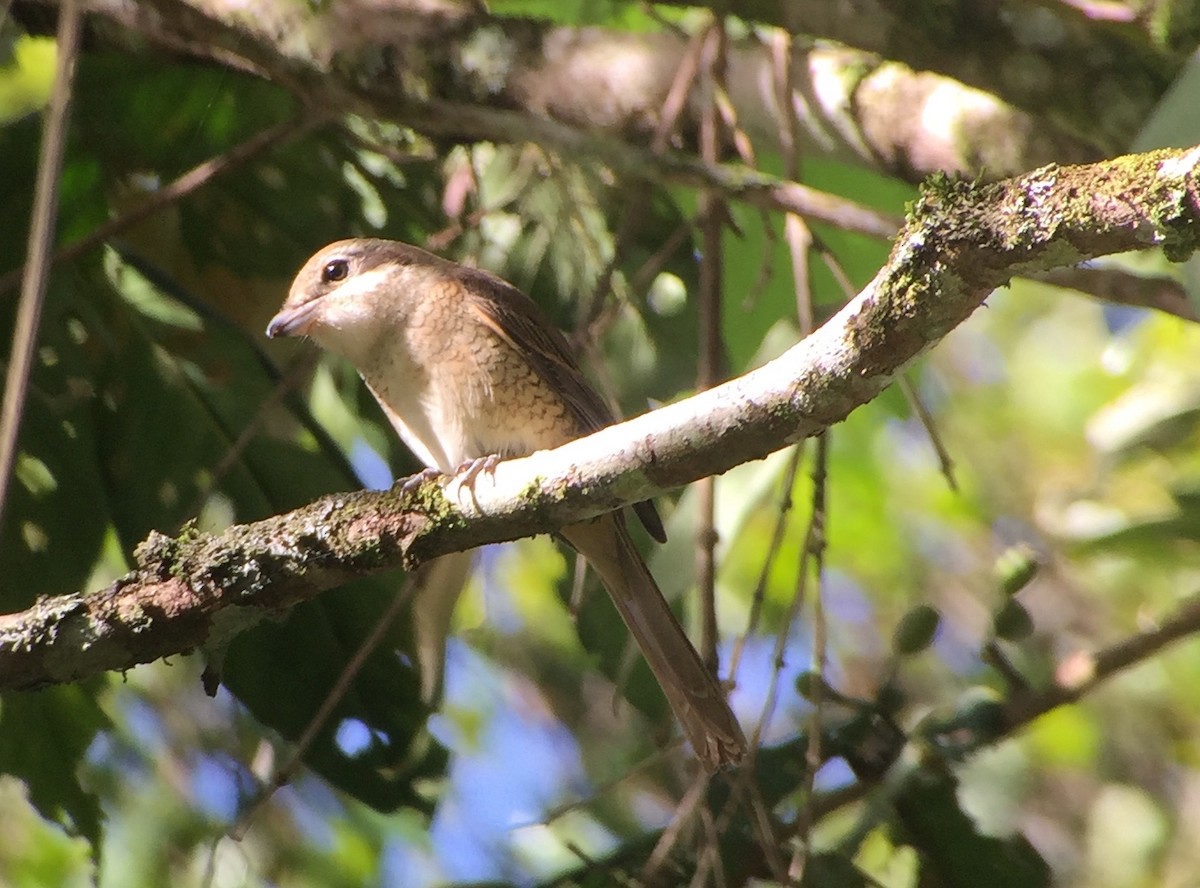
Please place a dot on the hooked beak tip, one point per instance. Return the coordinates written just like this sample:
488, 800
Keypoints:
290, 322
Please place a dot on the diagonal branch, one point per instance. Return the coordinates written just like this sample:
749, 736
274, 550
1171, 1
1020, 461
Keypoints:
962, 242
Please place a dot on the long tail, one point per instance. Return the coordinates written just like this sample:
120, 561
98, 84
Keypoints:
439, 583
691, 689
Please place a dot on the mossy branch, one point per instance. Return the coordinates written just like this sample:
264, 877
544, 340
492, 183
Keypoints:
961, 242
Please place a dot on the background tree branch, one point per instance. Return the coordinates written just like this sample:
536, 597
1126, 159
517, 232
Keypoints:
1099, 65
473, 76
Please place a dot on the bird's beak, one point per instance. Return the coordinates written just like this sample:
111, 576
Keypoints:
293, 321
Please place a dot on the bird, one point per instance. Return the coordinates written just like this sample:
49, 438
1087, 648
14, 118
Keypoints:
468, 370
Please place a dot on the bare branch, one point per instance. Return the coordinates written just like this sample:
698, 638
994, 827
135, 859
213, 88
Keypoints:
1080, 673
1125, 288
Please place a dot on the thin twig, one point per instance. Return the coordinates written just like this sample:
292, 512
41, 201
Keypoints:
670, 836
1115, 284
741, 139
677, 95
796, 231
41, 239
214, 318
710, 854
583, 856
812, 553
760, 587
747, 793
764, 824
442, 239
780, 47
800, 240
945, 462
823, 804
781, 638
649, 270
994, 656
835, 267
708, 368
1079, 674
813, 753
565, 808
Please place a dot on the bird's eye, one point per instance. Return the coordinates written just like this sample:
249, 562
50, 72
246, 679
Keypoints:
334, 271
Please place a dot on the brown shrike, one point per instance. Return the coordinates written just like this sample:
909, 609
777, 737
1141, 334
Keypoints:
468, 370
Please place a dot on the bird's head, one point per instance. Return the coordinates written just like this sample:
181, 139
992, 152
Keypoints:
351, 293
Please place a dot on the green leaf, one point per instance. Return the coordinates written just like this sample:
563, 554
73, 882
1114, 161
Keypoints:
144, 116
165, 398
832, 870
952, 846
44, 736
57, 514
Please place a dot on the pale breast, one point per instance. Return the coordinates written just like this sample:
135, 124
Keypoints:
404, 391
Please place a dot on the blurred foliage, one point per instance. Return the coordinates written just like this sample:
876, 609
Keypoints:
1074, 520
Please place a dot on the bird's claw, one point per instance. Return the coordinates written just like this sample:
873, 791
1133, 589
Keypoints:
465, 473
473, 468
412, 482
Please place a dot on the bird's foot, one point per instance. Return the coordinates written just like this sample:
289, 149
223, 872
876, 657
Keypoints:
473, 468
412, 482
